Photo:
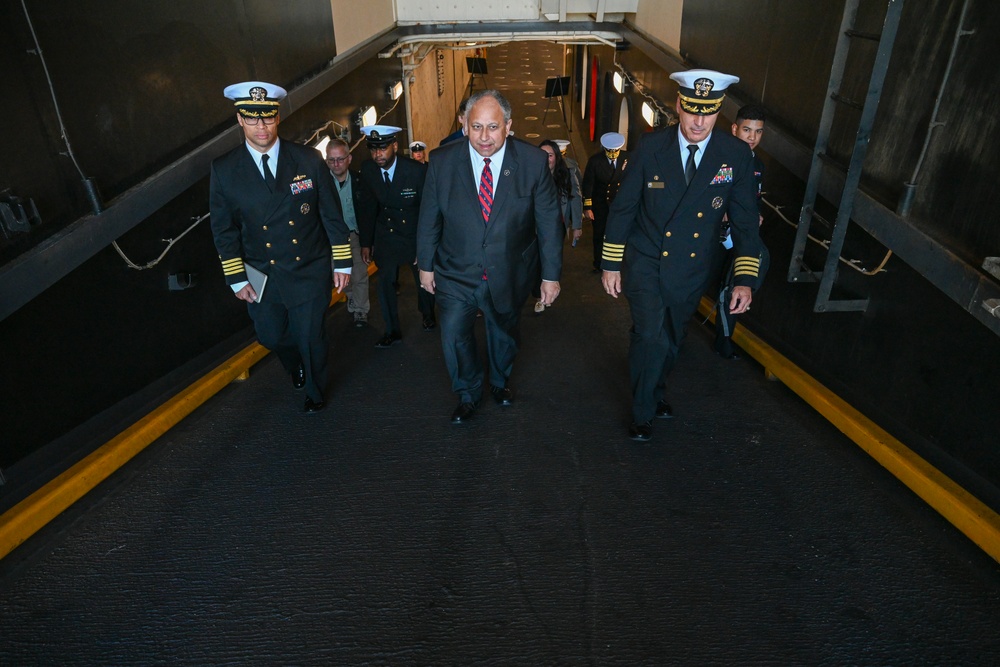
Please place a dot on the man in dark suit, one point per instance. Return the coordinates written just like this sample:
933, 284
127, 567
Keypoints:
273, 208
353, 204
601, 179
389, 228
664, 228
489, 218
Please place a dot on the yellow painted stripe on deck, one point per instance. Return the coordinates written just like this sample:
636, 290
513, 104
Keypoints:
28, 517
966, 512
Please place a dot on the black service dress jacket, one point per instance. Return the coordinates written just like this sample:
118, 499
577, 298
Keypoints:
389, 225
667, 233
288, 234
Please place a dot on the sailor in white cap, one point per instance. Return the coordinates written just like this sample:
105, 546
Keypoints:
274, 217
663, 229
389, 228
418, 151
600, 185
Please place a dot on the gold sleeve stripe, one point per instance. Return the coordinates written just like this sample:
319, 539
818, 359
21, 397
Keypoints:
613, 252
341, 251
587, 201
231, 267
746, 266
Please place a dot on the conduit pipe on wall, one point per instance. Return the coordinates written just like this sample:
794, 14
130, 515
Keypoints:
910, 188
89, 186
406, 106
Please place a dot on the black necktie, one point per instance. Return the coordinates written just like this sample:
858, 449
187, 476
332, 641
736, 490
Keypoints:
689, 167
387, 181
268, 176
613, 165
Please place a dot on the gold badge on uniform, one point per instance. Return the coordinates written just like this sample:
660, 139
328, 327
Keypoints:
305, 208
717, 202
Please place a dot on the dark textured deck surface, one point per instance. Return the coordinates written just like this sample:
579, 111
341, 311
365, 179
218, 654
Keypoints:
749, 531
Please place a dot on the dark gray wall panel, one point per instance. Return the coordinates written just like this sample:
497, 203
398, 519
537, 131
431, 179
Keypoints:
780, 49
138, 84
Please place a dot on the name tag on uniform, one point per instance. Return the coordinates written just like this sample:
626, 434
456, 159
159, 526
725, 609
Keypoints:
408, 193
725, 175
301, 186
655, 185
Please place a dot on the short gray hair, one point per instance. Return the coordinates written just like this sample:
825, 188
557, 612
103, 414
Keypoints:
495, 94
337, 141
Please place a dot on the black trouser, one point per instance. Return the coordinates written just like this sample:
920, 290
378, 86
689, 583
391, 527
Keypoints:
458, 340
388, 300
655, 339
600, 223
297, 335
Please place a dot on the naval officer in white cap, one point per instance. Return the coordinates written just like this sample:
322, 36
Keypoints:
389, 231
663, 231
418, 151
601, 179
273, 209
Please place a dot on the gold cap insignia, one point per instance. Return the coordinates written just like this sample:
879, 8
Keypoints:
702, 87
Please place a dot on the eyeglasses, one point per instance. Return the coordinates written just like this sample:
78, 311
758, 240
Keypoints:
253, 121
338, 160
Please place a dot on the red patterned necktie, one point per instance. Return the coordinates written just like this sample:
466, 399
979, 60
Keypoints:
486, 191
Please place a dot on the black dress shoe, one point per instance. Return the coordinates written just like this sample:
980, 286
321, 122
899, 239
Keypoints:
429, 323
388, 340
724, 348
641, 432
663, 410
502, 395
463, 413
299, 378
313, 406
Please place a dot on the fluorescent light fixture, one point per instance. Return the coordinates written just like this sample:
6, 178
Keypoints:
396, 90
619, 82
321, 146
649, 114
369, 117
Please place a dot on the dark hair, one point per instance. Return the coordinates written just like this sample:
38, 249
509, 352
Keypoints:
750, 112
462, 106
561, 172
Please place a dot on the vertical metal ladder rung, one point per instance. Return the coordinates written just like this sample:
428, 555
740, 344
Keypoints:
853, 178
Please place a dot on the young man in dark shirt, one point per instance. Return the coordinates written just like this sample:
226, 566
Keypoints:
749, 127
